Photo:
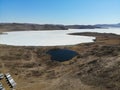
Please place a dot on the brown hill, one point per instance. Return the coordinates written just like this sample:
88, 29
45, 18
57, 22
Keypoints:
25, 26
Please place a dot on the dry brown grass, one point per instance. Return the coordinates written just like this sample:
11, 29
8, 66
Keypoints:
95, 68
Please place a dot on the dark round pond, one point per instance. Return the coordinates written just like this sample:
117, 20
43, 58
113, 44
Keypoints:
62, 54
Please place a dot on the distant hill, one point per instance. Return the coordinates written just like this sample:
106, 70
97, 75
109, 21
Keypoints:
82, 26
108, 25
25, 26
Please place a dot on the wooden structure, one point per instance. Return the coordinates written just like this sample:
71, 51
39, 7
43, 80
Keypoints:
1, 86
10, 80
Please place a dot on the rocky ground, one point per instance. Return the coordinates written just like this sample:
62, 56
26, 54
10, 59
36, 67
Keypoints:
96, 67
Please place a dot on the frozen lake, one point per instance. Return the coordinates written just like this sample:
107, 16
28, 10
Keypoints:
50, 38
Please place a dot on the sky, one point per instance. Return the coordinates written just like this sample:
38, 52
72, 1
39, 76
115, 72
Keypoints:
60, 11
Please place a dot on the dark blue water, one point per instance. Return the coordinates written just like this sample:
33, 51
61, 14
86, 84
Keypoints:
62, 54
